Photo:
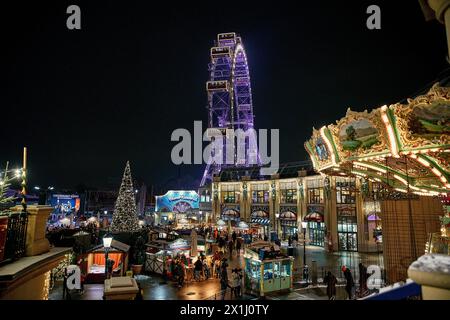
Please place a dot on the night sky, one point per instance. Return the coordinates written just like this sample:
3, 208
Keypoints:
85, 101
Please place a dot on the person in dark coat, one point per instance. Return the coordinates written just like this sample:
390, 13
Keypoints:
230, 248
362, 278
350, 283
330, 280
234, 236
224, 279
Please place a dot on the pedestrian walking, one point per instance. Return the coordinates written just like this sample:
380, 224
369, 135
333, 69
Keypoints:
230, 248
331, 281
362, 278
238, 247
206, 269
224, 280
234, 283
350, 283
306, 273
180, 274
198, 269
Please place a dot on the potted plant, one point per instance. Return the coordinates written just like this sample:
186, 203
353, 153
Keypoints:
139, 255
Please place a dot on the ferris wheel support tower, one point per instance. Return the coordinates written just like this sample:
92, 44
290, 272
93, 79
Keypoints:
230, 103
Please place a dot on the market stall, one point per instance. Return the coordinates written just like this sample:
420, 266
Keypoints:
92, 263
266, 269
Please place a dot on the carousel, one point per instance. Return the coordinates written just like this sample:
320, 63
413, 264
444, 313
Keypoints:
402, 147
395, 160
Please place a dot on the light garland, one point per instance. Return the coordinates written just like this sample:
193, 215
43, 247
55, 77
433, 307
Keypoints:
434, 170
390, 131
369, 166
328, 143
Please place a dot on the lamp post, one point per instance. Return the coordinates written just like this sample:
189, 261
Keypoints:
277, 216
304, 225
107, 240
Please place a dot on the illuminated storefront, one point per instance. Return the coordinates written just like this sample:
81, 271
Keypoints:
177, 206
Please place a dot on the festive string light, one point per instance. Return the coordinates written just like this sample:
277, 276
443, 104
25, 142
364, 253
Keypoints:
366, 165
390, 131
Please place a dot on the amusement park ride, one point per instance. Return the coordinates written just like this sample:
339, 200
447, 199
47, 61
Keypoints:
230, 104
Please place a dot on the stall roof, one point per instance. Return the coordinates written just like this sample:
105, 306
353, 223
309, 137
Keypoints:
114, 244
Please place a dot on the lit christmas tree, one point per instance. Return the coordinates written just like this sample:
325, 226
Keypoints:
125, 218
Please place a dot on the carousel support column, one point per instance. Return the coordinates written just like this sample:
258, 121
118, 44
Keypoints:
331, 208
360, 219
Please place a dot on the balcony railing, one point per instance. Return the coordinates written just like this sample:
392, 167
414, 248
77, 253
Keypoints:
16, 232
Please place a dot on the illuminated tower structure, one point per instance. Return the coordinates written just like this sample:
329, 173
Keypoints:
230, 102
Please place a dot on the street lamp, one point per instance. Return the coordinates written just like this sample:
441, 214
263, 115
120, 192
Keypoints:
277, 216
304, 225
43, 192
107, 240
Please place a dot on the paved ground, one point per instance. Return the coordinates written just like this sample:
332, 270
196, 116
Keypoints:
155, 289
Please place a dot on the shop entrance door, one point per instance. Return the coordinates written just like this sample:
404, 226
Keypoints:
316, 233
347, 234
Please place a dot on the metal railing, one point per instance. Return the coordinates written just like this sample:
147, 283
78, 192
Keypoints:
227, 294
338, 273
16, 234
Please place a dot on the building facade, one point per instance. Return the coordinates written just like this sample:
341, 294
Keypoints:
339, 216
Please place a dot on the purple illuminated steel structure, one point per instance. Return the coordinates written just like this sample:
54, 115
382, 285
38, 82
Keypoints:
230, 100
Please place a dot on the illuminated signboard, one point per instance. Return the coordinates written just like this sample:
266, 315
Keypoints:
179, 244
64, 204
177, 201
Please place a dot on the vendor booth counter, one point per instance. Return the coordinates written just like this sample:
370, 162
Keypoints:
267, 273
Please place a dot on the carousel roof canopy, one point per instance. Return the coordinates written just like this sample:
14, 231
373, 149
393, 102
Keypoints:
404, 146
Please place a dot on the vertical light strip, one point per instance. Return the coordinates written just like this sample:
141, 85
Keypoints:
434, 170
390, 131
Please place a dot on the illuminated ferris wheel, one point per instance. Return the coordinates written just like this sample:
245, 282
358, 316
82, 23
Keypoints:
230, 99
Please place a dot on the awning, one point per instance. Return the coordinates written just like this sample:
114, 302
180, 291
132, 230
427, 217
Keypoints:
260, 214
242, 225
373, 217
230, 212
261, 221
288, 215
314, 217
